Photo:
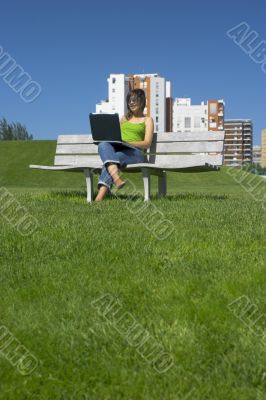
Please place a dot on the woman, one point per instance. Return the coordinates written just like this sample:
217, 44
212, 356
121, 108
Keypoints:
137, 130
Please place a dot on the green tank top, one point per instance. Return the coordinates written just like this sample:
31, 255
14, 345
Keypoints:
132, 132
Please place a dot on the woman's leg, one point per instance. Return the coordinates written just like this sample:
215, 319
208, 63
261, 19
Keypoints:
109, 173
104, 184
130, 156
110, 161
105, 178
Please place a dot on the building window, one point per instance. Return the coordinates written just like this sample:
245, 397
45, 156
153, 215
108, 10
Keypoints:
113, 90
157, 118
157, 110
213, 108
187, 122
212, 123
197, 121
113, 80
157, 128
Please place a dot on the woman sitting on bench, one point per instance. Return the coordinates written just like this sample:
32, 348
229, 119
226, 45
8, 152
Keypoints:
137, 130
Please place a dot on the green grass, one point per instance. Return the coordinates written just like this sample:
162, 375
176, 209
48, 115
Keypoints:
178, 289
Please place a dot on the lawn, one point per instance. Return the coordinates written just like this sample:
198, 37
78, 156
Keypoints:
75, 290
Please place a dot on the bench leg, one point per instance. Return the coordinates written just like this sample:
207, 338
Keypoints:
89, 183
162, 184
147, 183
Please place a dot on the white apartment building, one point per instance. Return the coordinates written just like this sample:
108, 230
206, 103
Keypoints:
156, 89
118, 87
189, 118
197, 118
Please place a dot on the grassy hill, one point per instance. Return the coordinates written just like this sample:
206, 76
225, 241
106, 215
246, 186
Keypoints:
186, 292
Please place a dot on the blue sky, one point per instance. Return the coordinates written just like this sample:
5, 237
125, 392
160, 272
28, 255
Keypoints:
71, 47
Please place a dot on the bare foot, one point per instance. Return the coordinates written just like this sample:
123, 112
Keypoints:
102, 193
119, 183
114, 172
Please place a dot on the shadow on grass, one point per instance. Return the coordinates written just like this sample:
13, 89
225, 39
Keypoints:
196, 196
68, 193
81, 194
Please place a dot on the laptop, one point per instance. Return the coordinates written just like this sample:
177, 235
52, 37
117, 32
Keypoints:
106, 128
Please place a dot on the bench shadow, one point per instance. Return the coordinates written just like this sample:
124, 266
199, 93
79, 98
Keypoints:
68, 193
81, 194
196, 196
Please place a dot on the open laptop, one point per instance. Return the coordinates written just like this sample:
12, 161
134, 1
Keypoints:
106, 128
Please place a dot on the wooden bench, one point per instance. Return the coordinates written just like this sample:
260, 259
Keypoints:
181, 152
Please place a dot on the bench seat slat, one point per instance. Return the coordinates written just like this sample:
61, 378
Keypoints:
161, 137
162, 161
189, 136
134, 167
186, 147
89, 148
162, 147
59, 167
64, 139
77, 159
179, 161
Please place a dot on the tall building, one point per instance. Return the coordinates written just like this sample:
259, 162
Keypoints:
118, 87
169, 108
256, 154
215, 115
197, 118
156, 88
263, 148
238, 142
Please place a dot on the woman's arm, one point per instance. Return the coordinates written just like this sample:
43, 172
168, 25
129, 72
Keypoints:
122, 119
149, 128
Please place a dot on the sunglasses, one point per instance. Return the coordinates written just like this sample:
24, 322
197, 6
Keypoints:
133, 101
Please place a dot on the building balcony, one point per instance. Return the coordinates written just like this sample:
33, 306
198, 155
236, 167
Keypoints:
233, 142
234, 134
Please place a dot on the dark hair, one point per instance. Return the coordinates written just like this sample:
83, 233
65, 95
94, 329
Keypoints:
139, 94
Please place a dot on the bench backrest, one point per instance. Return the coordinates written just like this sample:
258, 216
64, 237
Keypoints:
166, 147
183, 148
75, 150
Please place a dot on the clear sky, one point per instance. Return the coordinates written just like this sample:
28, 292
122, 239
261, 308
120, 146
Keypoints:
71, 47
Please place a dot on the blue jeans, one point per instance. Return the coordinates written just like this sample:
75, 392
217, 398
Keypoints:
115, 153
